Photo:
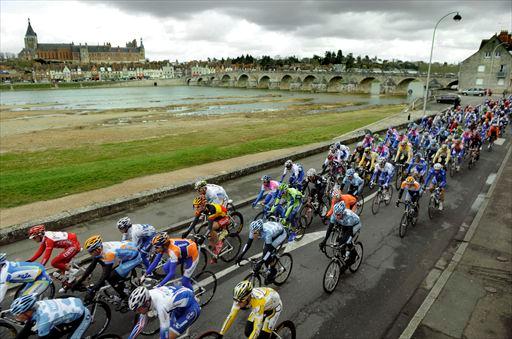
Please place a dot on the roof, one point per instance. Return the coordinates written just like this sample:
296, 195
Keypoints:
90, 49
30, 31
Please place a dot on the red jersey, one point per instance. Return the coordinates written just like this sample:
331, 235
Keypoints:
53, 240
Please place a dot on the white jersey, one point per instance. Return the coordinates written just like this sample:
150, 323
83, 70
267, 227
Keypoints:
167, 298
216, 194
56, 236
388, 168
295, 170
137, 232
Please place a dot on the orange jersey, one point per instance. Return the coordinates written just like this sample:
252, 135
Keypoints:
348, 199
181, 249
415, 187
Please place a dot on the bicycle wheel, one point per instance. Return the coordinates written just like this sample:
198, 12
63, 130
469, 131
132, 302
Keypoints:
284, 268
48, 293
300, 230
402, 229
398, 178
231, 247
260, 215
285, 330
330, 252
152, 326
470, 163
7, 331
376, 203
209, 335
205, 285
237, 222
332, 275
390, 192
358, 252
254, 278
360, 205
100, 318
307, 211
432, 207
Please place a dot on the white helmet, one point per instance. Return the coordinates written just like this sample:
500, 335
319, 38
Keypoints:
438, 166
288, 163
311, 172
138, 298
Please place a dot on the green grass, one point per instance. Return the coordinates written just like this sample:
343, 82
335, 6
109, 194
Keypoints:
34, 176
46, 86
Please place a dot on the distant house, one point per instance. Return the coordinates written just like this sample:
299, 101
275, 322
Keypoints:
489, 67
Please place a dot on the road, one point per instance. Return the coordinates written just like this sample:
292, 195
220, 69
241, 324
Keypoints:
365, 305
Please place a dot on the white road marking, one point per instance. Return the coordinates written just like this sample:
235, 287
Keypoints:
490, 179
499, 141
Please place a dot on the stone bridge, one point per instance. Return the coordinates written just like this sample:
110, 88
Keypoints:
341, 82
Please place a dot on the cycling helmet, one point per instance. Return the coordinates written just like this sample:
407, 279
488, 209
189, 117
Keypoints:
367, 150
444, 146
3, 258
382, 160
139, 297
337, 145
409, 180
36, 231
417, 156
124, 223
350, 172
200, 184
198, 201
283, 186
93, 243
288, 164
242, 290
256, 225
367, 135
360, 145
160, 239
265, 178
23, 304
332, 148
438, 166
311, 172
339, 208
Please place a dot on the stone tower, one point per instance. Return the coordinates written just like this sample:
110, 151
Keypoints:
142, 53
30, 38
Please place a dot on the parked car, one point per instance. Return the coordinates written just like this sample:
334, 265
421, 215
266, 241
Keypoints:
449, 98
474, 91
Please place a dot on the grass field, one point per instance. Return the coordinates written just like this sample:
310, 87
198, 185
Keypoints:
33, 176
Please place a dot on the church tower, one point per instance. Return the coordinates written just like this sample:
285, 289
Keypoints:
142, 52
30, 38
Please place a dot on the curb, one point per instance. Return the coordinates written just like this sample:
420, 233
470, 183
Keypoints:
87, 213
434, 293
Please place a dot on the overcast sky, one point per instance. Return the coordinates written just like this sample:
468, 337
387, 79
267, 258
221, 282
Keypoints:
191, 29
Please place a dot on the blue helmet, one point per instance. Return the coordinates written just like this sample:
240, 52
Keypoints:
339, 208
23, 304
350, 172
256, 225
265, 178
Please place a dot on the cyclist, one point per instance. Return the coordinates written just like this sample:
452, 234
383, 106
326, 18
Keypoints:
291, 198
443, 153
319, 184
493, 133
217, 216
108, 254
475, 143
269, 187
343, 151
383, 172
438, 176
274, 235
177, 309
297, 174
418, 167
357, 154
51, 319
353, 181
32, 274
181, 252
367, 161
413, 189
265, 304
140, 234
404, 148
457, 151
350, 223
349, 200
214, 194
367, 140
50, 240
383, 151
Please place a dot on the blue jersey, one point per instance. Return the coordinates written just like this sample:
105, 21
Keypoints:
21, 272
349, 219
50, 313
418, 167
269, 232
438, 177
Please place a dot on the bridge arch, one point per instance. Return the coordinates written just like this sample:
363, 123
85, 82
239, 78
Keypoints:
225, 80
264, 82
307, 83
334, 84
285, 82
243, 81
369, 85
200, 82
188, 81
453, 83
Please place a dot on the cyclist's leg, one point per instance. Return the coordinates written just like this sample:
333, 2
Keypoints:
81, 326
62, 260
145, 249
189, 267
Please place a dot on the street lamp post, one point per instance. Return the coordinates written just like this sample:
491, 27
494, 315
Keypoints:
492, 62
457, 17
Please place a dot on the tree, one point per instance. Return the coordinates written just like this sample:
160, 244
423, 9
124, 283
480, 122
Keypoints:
349, 61
339, 57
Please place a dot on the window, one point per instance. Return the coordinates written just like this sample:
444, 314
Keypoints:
487, 55
502, 68
481, 68
497, 54
479, 82
501, 82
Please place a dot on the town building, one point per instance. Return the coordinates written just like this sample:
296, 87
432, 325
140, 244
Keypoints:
69, 52
490, 67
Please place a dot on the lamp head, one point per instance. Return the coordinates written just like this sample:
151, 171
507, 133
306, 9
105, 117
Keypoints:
457, 17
